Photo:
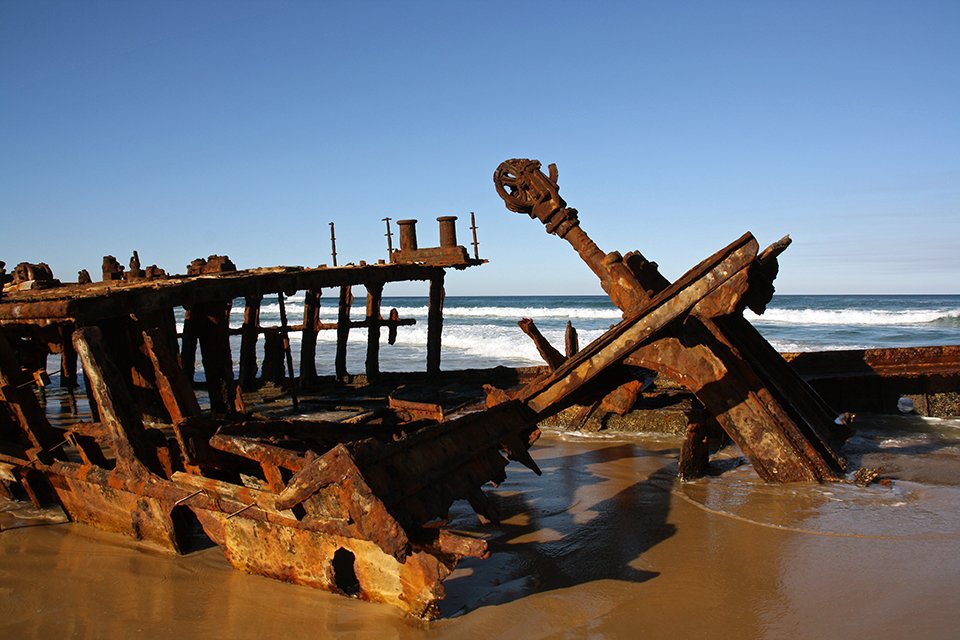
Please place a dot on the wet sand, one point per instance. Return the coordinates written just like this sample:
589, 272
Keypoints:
605, 544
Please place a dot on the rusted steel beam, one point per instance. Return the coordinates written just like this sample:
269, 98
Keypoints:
618, 343
550, 355
343, 331
417, 410
214, 339
175, 390
136, 456
435, 323
249, 333
308, 339
88, 303
374, 296
907, 361
285, 335
26, 410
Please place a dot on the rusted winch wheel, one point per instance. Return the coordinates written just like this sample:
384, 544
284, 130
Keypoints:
510, 181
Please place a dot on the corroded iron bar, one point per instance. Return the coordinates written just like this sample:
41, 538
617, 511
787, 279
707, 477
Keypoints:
550, 355
343, 331
308, 341
135, 455
249, 334
374, 295
434, 323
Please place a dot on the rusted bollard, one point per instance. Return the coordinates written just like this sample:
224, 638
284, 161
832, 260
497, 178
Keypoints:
408, 235
448, 231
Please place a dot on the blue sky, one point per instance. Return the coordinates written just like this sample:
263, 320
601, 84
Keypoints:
184, 129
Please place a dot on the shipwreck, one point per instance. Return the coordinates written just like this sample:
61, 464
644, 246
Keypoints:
359, 506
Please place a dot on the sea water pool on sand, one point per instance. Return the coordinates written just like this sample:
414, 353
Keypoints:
605, 544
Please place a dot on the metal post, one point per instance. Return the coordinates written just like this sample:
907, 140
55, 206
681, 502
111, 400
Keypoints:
476, 245
333, 244
389, 239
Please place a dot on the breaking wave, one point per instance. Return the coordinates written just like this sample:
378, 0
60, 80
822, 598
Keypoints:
870, 317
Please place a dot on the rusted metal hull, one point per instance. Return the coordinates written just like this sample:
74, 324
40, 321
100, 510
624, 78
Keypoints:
313, 503
874, 380
355, 509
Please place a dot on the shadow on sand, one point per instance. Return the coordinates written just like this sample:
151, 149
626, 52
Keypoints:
587, 518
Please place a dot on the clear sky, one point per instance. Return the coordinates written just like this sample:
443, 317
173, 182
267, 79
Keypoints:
184, 129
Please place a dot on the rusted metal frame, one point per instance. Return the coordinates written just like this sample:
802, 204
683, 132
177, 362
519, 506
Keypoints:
90, 304
261, 452
196, 492
343, 331
285, 334
739, 402
475, 244
550, 355
391, 323
368, 514
174, 387
333, 244
417, 410
116, 502
615, 345
214, 340
152, 405
68, 358
24, 405
136, 456
189, 341
435, 465
308, 339
813, 418
374, 322
631, 281
435, 322
906, 361
368, 518
144, 507
249, 334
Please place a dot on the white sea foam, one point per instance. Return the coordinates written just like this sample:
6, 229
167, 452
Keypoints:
542, 313
873, 317
482, 332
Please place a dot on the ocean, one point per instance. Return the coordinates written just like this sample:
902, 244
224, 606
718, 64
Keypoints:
482, 331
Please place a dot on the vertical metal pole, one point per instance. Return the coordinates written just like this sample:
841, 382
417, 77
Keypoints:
343, 331
473, 227
389, 240
285, 333
333, 244
374, 296
435, 323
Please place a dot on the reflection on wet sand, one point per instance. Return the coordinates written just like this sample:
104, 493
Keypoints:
605, 544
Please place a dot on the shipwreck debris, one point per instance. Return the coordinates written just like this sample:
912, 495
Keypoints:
359, 502
692, 331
